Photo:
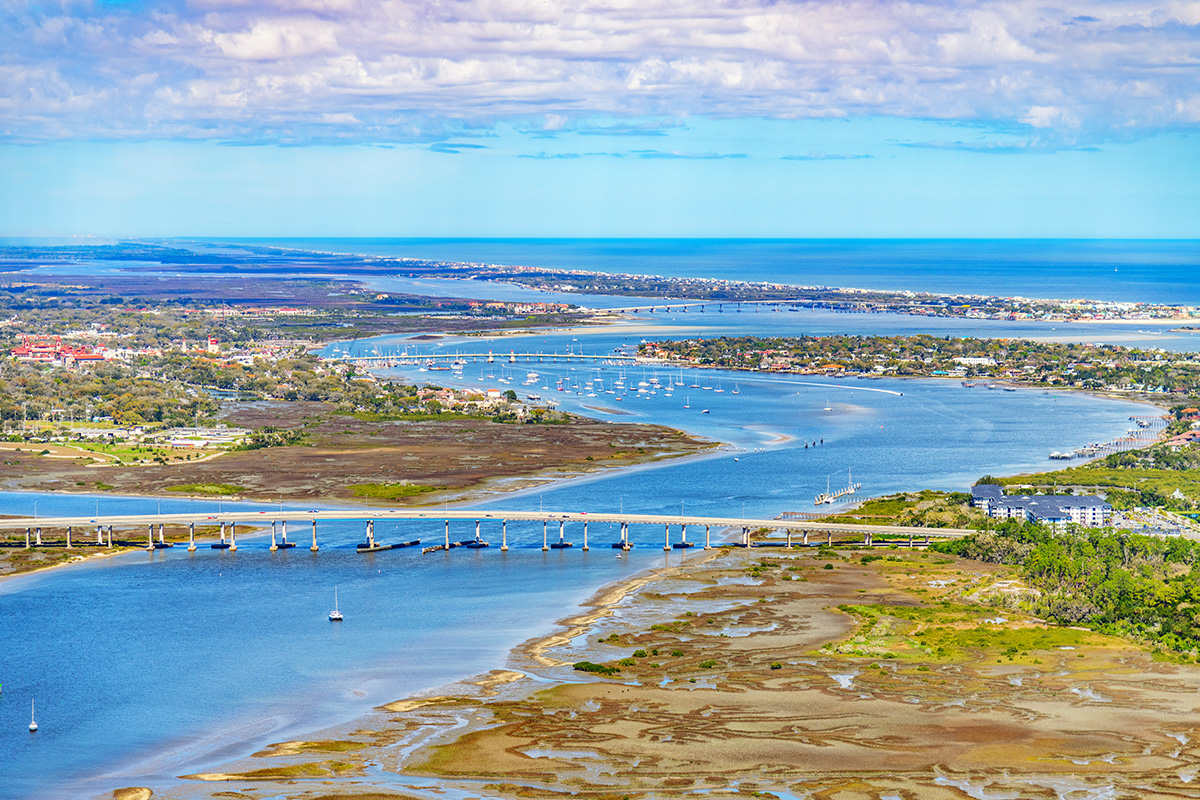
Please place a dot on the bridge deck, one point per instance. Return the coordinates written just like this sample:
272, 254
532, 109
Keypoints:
451, 514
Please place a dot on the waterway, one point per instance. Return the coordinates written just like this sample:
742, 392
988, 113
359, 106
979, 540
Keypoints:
1160, 271
147, 666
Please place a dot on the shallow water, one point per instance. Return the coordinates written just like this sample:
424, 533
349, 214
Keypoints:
146, 666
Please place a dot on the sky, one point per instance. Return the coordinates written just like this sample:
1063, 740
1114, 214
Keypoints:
753, 118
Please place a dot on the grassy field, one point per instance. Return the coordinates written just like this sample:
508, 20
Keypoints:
927, 508
206, 488
391, 491
954, 632
1163, 481
136, 454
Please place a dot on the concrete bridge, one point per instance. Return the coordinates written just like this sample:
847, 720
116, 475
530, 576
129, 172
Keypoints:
719, 306
795, 531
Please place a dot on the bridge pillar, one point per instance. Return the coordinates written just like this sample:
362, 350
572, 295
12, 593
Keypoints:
829, 538
625, 545
504, 536
561, 531
447, 536
477, 530
707, 542
910, 541
27, 538
683, 533
371, 532
273, 546
314, 547
110, 535
585, 544
37, 534
222, 533
745, 536
161, 540
805, 538
191, 537
99, 534
150, 536
232, 537
867, 538
667, 537
789, 538
545, 542
927, 540
283, 531
68, 537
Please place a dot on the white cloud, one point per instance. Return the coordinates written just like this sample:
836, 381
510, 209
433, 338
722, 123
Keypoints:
248, 68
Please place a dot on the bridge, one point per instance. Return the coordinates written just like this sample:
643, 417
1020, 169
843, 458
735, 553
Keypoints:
793, 529
700, 306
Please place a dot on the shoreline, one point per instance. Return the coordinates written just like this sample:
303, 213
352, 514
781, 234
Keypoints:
483, 492
506, 676
849, 713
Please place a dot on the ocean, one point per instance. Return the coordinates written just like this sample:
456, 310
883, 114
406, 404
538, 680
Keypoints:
1153, 271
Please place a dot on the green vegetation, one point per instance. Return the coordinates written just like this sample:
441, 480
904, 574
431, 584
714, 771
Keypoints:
391, 491
598, 669
308, 770
951, 632
1144, 587
1083, 366
1157, 476
207, 488
926, 509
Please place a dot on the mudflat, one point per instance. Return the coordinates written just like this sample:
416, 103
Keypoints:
446, 459
890, 674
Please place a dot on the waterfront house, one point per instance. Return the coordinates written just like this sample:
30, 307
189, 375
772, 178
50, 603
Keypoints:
1057, 511
984, 494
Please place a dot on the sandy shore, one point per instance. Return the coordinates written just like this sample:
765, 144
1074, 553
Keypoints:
767, 672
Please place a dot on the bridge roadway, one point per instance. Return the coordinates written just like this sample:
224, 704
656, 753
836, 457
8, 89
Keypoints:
446, 515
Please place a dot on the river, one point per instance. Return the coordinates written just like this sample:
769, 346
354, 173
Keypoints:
147, 666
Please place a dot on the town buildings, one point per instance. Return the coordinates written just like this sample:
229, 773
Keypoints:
1054, 510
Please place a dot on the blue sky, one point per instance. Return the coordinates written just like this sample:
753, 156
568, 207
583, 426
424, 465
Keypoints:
603, 118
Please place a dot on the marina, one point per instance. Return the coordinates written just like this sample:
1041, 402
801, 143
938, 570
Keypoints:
828, 497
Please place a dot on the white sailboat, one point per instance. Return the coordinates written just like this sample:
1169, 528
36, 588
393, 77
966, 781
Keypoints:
32, 717
335, 615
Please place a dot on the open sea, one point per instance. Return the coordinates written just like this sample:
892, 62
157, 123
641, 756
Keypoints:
1157, 271
148, 666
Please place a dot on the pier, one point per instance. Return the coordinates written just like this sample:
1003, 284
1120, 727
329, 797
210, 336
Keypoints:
795, 531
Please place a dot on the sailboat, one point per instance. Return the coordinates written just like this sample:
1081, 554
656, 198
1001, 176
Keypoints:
828, 407
335, 615
687, 402
32, 718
